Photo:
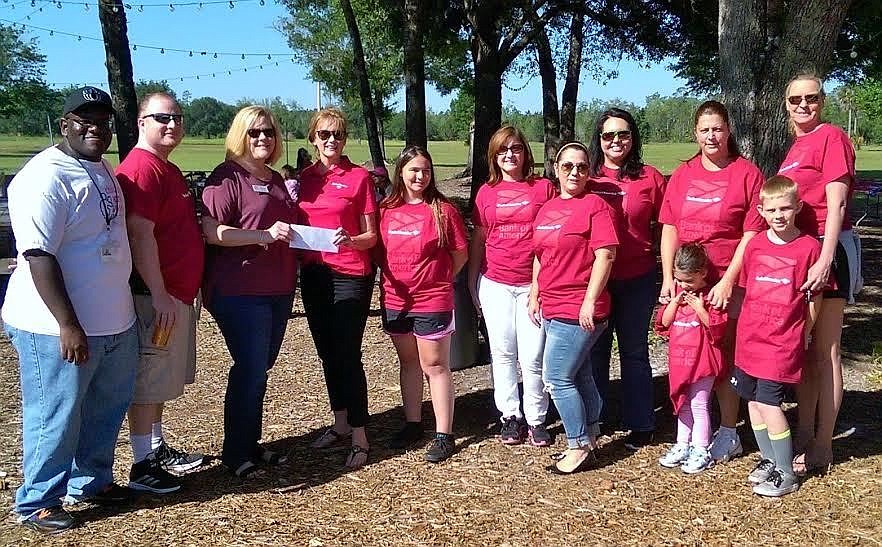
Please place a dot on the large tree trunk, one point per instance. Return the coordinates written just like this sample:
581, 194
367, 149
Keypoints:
414, 75
550, 112
364, 86
488, 110
574, 70
761, 48
119, 73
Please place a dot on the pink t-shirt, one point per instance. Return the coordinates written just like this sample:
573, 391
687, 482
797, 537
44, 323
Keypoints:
156, 190
814, 161
714, 208
507, 210
565, 235
694, 350
339, 197
232, 196
417, 273
637, 203
772, 323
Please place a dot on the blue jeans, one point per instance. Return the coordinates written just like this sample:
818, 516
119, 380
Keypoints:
71, 415
253, 328
632, 304
568, 378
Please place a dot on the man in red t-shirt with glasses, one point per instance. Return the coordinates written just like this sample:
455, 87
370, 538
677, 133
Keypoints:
168, 258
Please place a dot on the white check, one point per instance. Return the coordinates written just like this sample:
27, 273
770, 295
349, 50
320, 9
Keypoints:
313, 239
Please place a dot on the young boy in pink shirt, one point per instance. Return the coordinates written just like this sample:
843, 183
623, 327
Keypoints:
773, 330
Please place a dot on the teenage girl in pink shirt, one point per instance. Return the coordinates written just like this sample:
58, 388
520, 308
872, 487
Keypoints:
422, 246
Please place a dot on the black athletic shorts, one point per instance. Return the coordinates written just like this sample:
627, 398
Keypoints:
750, 388
428, 325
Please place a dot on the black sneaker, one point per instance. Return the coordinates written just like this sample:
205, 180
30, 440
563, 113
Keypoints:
440, 448
539, 436
177, 461
148, 475
50, 520
112, 494
636, 440
513, 431
408, 435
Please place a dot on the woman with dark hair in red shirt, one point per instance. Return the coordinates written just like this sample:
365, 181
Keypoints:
712, 199
635, 190
574, 241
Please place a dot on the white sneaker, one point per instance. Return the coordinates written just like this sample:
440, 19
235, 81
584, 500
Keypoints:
699, 460
675, 456
762, 472
725, 446
779, 484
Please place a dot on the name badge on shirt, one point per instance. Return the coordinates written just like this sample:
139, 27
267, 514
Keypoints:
110, 252
260, 188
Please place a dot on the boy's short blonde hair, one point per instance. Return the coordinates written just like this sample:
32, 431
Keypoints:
779, 186
237, 139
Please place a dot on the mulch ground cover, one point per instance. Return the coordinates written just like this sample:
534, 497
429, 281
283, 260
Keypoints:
487, 494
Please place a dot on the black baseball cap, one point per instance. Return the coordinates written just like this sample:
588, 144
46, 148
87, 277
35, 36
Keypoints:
86, 96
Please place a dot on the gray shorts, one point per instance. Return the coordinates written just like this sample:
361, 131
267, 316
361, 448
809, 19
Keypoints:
164, 371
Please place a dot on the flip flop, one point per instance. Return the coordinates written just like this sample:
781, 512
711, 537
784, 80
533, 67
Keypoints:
354, 459
329, 438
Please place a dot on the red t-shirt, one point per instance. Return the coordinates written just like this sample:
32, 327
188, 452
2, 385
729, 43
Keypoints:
417, 273
814, 161
714, 208
769, 344
565, 235
507, 210
233, 197
637, 203
156, 190
339, 197
694, 350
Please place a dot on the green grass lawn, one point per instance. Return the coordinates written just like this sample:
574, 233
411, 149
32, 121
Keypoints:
450, 156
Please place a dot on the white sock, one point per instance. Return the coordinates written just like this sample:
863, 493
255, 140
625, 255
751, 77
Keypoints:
156, 437
140, 447
728, 431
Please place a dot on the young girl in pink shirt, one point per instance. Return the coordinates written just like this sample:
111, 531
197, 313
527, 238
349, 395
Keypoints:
695, 358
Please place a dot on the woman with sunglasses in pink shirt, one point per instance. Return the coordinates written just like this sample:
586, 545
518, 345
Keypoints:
337, 287
821, 162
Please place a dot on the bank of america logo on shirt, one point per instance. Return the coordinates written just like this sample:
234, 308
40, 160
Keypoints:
548, 227
403, 232
338, 185
704, 199
788, 167
511, 206
772, 279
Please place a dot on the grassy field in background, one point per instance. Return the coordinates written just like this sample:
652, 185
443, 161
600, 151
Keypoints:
449, 156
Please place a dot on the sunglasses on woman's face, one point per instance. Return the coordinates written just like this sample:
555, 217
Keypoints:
609, 136
515, 149
796, 100
568, 166
324, 134
268, 132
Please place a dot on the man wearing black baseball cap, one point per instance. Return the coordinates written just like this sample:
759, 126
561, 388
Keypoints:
69, 314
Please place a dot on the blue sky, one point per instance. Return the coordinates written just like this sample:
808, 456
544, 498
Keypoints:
246, 28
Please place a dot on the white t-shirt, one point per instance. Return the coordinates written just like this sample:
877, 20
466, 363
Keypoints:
56, 206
